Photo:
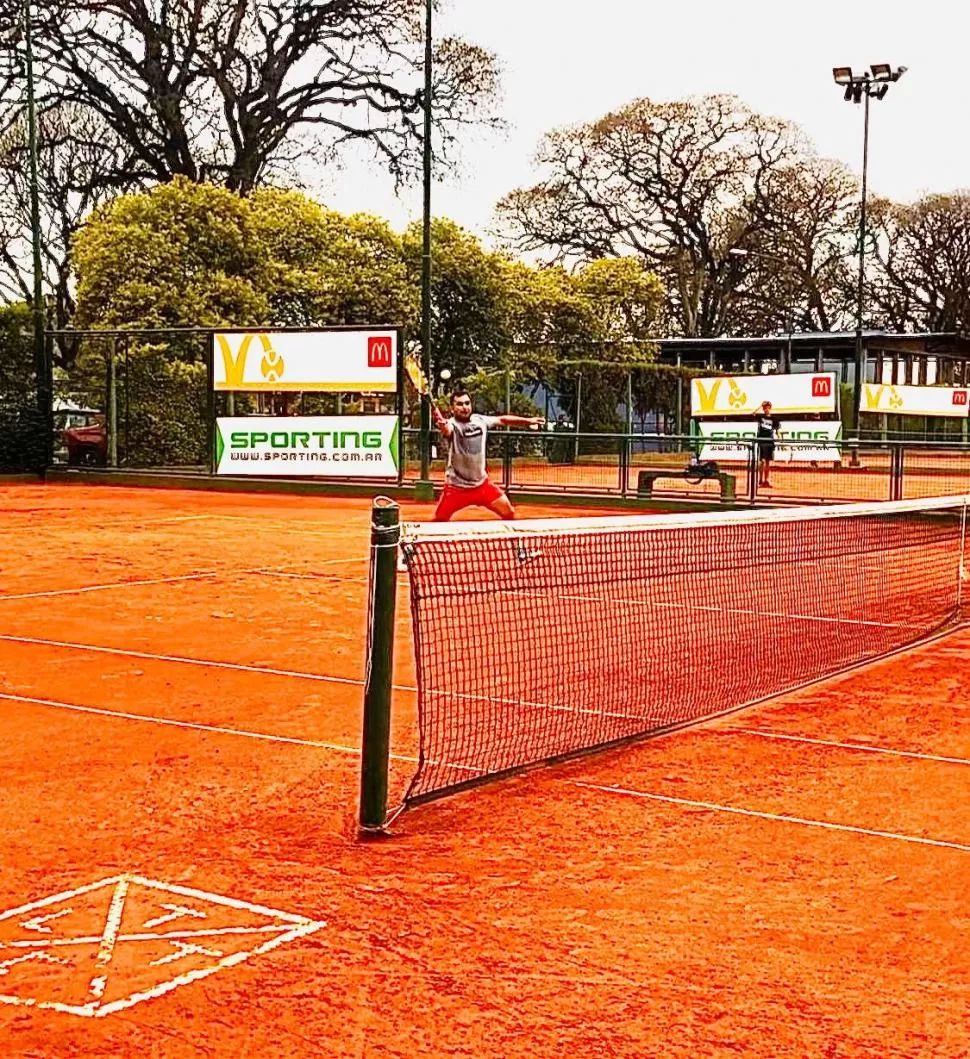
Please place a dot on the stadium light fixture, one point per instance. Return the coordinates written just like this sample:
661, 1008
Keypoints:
842, 75
881, 72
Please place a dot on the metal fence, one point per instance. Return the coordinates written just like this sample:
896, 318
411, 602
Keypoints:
659, 466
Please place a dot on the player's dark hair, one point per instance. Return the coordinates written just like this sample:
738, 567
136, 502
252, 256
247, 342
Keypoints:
459, 391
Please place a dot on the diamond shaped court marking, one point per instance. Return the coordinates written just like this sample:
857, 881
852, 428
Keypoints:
58, 953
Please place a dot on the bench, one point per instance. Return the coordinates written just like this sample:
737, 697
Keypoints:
645, 480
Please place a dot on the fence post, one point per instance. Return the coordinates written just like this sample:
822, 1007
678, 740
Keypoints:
506, 461
579, 403
210, 403
385, 537
752, 471
896, 465
113, 403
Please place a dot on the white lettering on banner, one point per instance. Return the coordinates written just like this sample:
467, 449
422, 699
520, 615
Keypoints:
317, 446
916, 400
738, 395
798, 441
295, 361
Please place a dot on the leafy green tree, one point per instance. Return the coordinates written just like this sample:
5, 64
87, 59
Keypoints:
468, 295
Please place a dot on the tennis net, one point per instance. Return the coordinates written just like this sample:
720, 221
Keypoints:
538, 639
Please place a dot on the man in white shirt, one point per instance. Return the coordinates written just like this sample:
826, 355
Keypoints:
466, 477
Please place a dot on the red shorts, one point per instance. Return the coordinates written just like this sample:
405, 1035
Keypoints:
454, 499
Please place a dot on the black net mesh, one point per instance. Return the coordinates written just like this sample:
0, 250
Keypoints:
540, 640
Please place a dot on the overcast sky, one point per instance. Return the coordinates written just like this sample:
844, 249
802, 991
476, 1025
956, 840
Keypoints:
566, 62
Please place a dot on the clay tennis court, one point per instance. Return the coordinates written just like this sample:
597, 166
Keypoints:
180, 875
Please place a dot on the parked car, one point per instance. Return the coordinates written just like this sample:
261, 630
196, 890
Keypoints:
87, 442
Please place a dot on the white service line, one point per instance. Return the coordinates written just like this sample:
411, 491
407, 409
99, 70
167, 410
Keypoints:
615, 600
802, 821
844, 746
301, 675
181, 577
221, 730
239, 667
112, 584
192, 725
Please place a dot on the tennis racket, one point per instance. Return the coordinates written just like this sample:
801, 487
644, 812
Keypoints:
417, 378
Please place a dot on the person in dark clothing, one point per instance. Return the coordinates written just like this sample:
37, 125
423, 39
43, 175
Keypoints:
767, 432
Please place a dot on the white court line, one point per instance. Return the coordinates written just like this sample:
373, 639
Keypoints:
239, 667
220, 730
735, 610
175, 935
192, 725
844, 746
169, 580
301, 675
112, 584
109, 937
307, 577
802, 821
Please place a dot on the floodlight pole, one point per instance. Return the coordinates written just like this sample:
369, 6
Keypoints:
44, 383
424, 490
860, 293
860, 88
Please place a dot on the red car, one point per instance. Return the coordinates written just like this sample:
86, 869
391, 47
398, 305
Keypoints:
87, 445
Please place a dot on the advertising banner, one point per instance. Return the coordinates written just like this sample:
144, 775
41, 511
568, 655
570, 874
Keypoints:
915, 400
814, 441
308, 446
278, 361
739, 395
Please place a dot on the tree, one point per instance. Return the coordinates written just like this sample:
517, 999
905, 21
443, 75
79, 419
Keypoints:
469, 293
920, 279
677, 184
77, 167
625, 297
798, 266
234, 91
195, 255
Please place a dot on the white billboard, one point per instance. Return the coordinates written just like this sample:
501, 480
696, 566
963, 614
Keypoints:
336, 361
308, 446
915, 400
738, 395
798, 441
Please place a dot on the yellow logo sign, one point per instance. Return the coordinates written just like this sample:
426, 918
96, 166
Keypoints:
873, 401
272, 365
707, 399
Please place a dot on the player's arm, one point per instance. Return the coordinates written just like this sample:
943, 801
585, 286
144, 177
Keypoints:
444, 427
520, 421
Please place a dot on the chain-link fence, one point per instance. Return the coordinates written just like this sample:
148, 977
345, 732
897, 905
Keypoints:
23, 423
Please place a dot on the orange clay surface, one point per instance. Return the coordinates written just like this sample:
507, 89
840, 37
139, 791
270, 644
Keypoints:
539, 916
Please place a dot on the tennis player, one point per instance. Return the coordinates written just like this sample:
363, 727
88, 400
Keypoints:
767, 432
466, 476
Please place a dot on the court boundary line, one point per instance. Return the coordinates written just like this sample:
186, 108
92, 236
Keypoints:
409, 689
630, 602
198, 726
866, 747
802, 821
195, 726
198, 576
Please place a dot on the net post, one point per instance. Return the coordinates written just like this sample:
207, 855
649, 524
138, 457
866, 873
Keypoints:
375, 744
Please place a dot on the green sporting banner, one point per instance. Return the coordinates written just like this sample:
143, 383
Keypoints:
308, 446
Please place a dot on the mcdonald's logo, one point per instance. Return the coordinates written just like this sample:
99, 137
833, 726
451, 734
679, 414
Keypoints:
379, 353
821, 385
960, 397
